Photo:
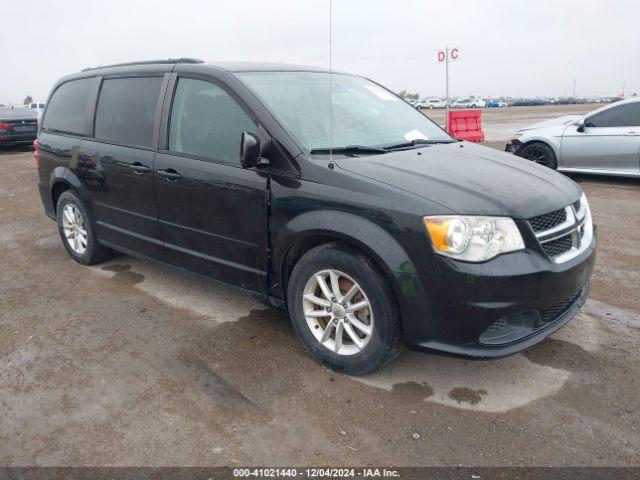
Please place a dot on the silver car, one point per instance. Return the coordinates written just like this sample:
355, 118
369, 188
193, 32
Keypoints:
605, 141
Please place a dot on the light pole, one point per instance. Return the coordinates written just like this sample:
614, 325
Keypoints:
446, 74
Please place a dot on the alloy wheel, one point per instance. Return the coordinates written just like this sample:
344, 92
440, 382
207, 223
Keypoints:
338, 312
537, 155
74, 228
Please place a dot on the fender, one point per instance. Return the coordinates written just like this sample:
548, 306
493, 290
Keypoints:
65, 175
361, 233
554, 145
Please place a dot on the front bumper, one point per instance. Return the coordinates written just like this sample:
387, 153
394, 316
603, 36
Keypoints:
513, 146
496, 308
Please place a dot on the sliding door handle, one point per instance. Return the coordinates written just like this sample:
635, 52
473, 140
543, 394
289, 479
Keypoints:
169, 174
139, 168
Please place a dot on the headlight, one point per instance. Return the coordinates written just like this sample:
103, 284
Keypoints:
473, 239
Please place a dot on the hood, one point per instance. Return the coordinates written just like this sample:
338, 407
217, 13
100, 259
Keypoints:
564, 120
470, 179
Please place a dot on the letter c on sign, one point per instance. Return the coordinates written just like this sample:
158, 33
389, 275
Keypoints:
441, 57
454, 53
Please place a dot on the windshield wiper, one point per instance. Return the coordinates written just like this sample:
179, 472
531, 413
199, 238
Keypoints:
349, 149
413, 143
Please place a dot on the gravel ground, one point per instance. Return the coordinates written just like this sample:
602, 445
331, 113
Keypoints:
129, 363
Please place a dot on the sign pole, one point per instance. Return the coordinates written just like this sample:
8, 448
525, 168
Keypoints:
446, 67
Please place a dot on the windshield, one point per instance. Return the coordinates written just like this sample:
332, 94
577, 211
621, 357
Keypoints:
364, 114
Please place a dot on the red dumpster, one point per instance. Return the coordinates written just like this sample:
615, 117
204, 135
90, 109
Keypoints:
466, 125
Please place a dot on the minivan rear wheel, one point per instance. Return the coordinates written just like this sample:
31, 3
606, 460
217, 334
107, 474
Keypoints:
76, 230
343, 310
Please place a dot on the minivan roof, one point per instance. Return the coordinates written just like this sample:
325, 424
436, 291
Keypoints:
229, 66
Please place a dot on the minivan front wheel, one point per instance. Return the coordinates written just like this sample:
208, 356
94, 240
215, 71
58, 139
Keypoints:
343, 311
76, 230
338, 312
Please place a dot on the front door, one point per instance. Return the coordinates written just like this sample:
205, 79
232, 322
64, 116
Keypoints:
610, 140
212, 212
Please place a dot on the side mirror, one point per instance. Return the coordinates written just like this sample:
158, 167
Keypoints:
580, 125
249, 150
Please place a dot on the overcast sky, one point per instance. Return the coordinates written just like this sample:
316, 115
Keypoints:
517, 48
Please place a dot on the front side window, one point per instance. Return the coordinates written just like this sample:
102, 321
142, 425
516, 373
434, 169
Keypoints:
207, 122
627, 115
126, 110
337, 111
68, 107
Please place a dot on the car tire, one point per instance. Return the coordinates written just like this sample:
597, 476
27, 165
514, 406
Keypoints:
75, 226
377, 326
540, 153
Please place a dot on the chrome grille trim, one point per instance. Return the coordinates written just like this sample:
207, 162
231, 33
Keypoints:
578, 225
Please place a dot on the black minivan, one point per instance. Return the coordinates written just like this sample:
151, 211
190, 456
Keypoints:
320, 192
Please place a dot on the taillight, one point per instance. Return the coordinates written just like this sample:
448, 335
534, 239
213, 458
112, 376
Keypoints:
36, 153
5, 126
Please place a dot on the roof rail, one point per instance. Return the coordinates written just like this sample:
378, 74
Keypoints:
147, 62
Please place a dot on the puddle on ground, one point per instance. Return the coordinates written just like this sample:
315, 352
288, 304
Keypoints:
468, 395
483, 385
503, 384
213, 385
414, 389
181, 289
564, 355
124, 274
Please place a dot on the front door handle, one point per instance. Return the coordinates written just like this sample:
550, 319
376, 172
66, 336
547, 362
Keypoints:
632, 134
139, 168
169, 174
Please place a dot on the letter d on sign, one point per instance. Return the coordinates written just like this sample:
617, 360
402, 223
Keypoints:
441, 57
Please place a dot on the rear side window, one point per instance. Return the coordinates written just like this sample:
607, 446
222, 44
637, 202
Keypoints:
207, 122
620, 116
126, 110
68, 107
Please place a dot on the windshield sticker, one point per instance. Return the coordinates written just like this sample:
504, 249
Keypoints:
415, 135
380, 93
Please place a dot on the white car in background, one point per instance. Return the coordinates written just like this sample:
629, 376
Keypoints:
38, 107
468, 102
605, 141
459, 103
432, 103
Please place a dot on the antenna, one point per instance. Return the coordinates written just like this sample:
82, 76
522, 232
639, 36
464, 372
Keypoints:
331, 165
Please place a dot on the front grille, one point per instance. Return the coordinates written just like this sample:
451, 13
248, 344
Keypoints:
495, 326
552, 313
558, 246
548, 220
576, 205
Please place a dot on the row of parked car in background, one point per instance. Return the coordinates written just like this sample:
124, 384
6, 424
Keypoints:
477, 102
